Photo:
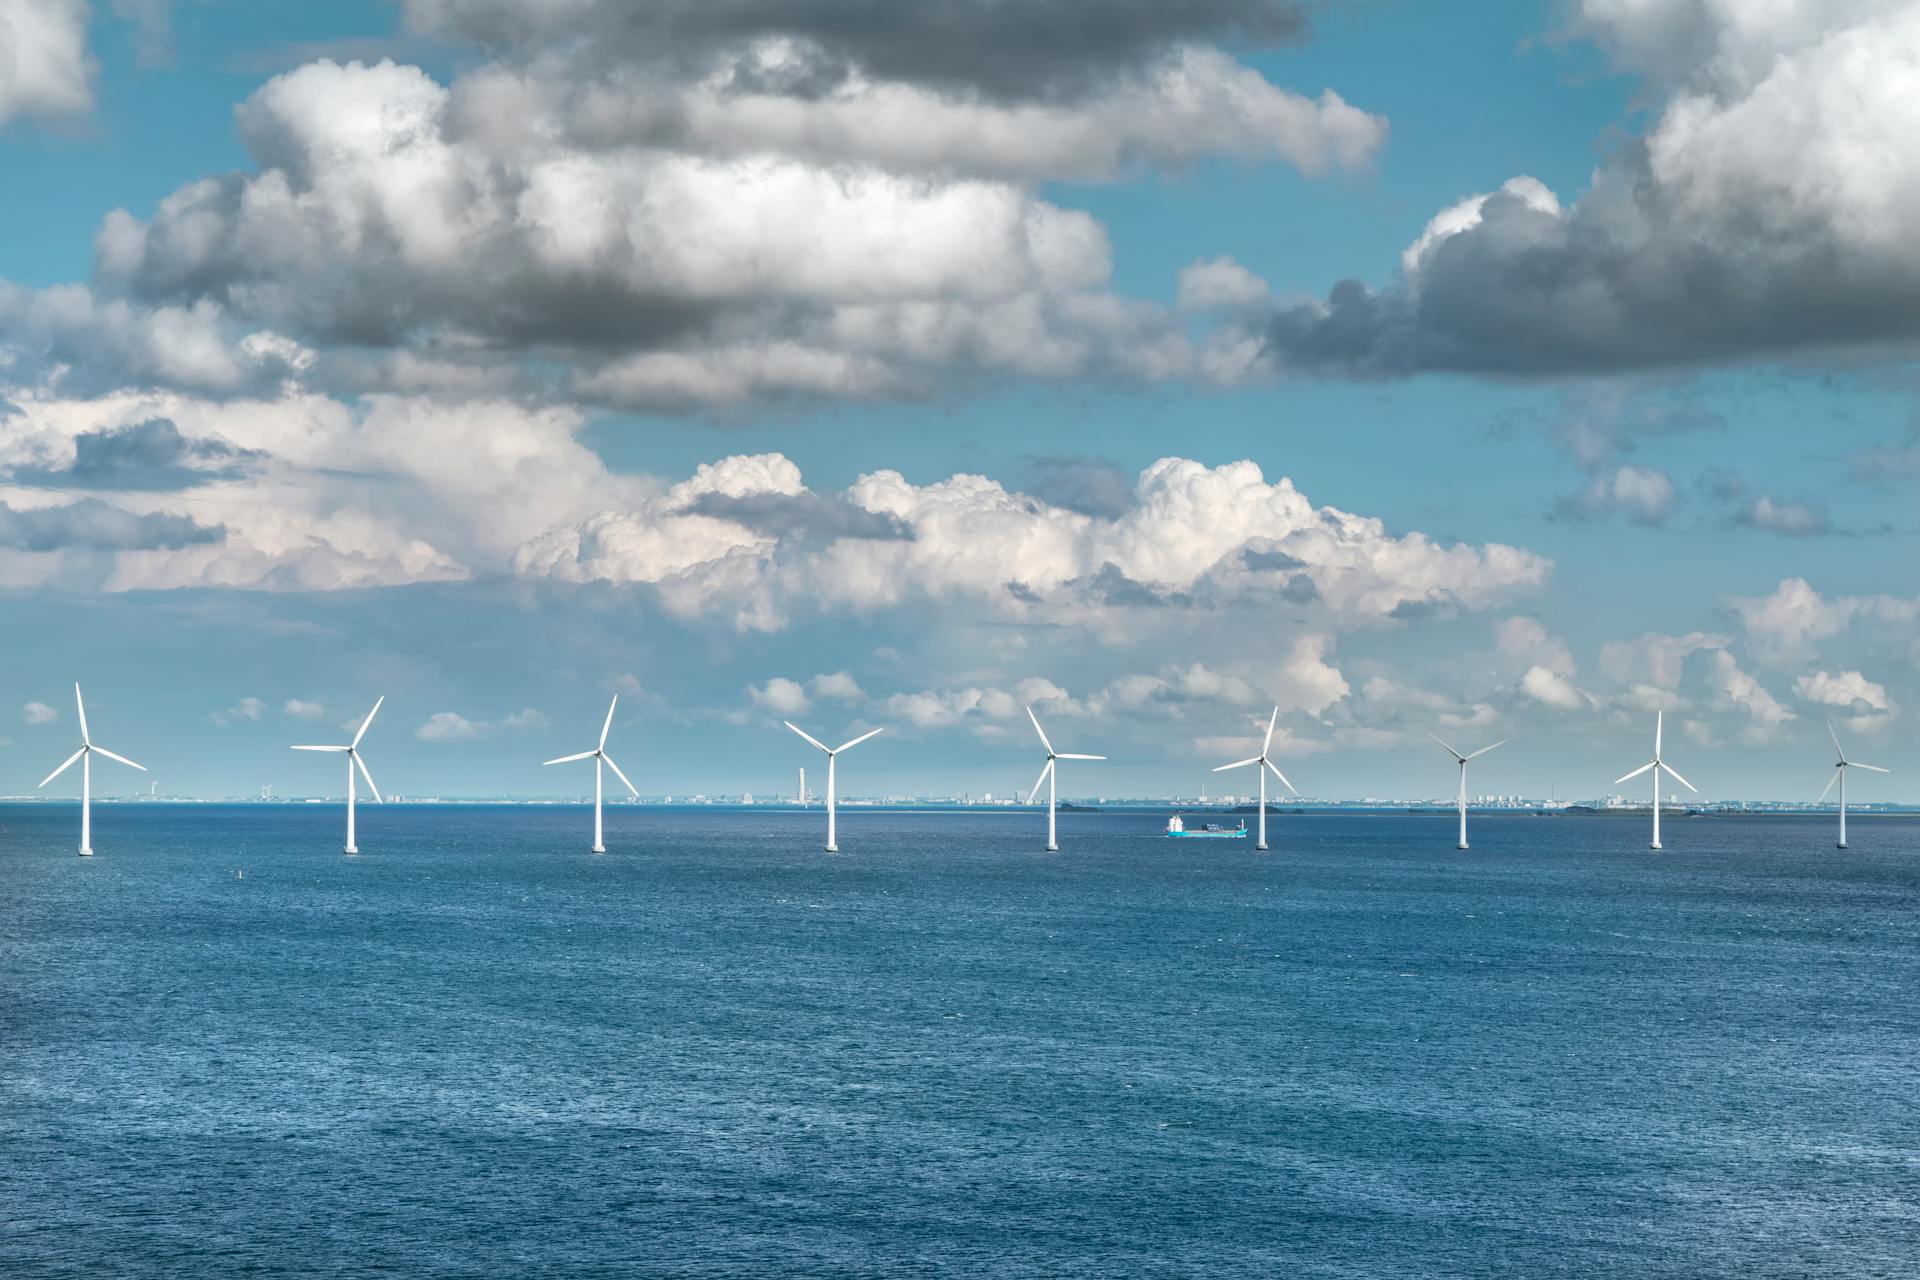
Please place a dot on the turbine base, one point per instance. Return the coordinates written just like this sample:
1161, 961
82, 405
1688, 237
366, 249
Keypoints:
1461, 845
1655, 846
1052, 847
833, 848
88, 853
1841, 845
599, 848
1260, 848
352, 851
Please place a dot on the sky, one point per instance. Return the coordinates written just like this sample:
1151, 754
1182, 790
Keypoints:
1501, 371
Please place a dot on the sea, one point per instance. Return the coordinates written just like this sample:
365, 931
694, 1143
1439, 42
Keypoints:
479, 1050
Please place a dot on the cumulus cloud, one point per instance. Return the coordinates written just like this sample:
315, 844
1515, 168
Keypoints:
1184, 538
247, 709
1220, 283
1735, 690
1794, 519
1553, 689
1789, 623
1764, 213
44, 65
668, 210
1848, 689
781, 696
838, 685
1642, 495
38, 713
451, 726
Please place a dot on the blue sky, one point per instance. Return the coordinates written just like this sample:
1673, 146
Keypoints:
1556, 371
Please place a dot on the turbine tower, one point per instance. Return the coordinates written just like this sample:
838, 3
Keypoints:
1840, 776
1050, 776
832, 753
88, 749
1656, 765
1264, 764
352, 750
1463, 778
599, 757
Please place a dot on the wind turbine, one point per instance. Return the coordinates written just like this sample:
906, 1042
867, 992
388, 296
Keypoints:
832, 753
1840, 776
85, 756
352, 750
1263, 764
1050, 776
1657, 764
1463, 778
599, 756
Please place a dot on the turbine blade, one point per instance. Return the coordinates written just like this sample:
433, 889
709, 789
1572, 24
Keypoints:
1068, 755
63, 768
1037, 729
369, 720
1266, 743
1239, 764
1855, 764
848, 746
1283, 777
1659, 718
80, 705
623, 777
809, 737
1032, 795
1482, 751
1636, 773
1682, 781
1838, 749
322, 748
1830, 781
578, 755
609, 724
122, 759
368, 776
1442, 741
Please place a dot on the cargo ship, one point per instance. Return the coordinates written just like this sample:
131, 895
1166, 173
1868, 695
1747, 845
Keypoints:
1212, 831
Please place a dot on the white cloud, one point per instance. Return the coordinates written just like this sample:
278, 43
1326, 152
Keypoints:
1554, 689
448, 726
1525, 642
1847, 689
838, 685
1794, 519
38, 713
1789, 623
1195, 536
781, 696
1643, 495
44, 65
1736, 690
1655, 658
248, 709
1220, 283
302, 710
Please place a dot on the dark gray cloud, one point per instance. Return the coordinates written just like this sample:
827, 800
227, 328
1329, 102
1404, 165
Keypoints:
93, 525
152, 455
803, 518
1000, 48
1529, 293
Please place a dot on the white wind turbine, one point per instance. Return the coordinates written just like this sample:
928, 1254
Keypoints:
1656, 764
1840, 776
352, 750
88, 749
599, 757
1050, 776
832, 753
1463, 777
1264, 763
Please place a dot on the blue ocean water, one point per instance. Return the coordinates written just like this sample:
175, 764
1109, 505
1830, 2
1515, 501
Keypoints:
477, 1050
